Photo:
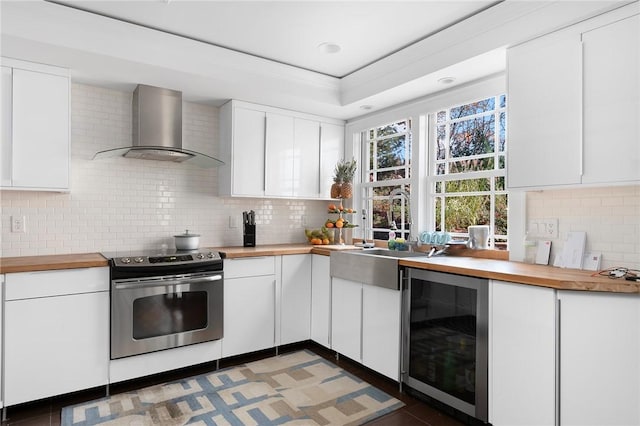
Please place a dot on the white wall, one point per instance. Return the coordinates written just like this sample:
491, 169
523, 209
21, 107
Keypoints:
125, 204
610, 216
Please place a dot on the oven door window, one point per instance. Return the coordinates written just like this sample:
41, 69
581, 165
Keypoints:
443, 337
171, 313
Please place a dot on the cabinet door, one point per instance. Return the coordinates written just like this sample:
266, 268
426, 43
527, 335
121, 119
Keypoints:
40, 130
331, 151
248, 152
279, 155
306, 164
346, 318
523, 333
544, 113
249, 314
381, 330
55, 345
5, 147
599, 353
612, 102
320, 299
295, 303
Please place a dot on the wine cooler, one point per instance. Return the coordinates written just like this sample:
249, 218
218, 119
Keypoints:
445, 339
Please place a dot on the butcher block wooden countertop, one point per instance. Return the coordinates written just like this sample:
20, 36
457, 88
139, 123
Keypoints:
524, 273
517, 272
51, 262
280, 249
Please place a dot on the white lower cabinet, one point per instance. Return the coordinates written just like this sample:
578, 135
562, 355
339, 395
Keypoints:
295, 299
381, 330
56, 333
522, 354
365, 325
250, 289
599, 358
346, 318
320, 299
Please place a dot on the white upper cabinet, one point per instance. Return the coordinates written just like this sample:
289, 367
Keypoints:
574, 104
279, 156
247, 156
35, 127
544, 113
275, 153
306, 158
611, 106
5, 147
331, 151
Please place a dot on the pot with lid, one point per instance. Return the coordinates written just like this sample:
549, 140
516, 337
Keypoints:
187, 241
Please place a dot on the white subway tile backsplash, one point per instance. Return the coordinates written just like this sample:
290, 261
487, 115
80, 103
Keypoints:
610, 216
125, 204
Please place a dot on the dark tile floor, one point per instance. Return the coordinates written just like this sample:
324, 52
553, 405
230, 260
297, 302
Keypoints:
414, 413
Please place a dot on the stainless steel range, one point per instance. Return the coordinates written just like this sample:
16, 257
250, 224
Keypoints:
165, 300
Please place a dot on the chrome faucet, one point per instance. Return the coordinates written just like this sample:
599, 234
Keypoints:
399, 191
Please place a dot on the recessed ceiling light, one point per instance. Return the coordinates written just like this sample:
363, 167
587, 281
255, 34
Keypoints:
446, 80
366, 107
329, 47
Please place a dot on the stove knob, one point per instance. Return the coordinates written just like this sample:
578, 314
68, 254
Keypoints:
200, 256
211, 255
125, 260
138, 259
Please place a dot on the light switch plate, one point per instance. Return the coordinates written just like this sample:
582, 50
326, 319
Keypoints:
18, 224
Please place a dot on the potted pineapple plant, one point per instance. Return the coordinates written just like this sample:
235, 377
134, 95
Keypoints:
342, 186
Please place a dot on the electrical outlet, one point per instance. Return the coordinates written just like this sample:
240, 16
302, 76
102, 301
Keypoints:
543, 228
304, 220
551, 228
233, 222
18, 224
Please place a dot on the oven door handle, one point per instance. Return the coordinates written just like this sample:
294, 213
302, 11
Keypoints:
144, 284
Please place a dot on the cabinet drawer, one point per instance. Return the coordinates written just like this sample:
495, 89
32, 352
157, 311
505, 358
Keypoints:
249, 267
28, 285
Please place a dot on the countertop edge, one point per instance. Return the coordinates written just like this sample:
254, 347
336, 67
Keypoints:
9, 265
516, 272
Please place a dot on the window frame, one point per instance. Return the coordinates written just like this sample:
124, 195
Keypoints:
366, 185
422, 217
432, 178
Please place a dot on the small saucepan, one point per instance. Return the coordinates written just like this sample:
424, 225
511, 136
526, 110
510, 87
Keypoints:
187, 241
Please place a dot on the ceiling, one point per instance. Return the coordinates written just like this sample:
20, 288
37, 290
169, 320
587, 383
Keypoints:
290, 32
269, 51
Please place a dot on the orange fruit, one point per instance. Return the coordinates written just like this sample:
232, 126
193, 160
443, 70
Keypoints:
325, 241
341, 208
339, 223
316, 241
332, 206
349, 210
329, 224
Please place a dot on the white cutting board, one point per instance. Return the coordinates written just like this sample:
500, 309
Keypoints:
573, 250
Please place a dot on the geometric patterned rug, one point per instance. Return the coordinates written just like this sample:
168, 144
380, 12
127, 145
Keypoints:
298, 388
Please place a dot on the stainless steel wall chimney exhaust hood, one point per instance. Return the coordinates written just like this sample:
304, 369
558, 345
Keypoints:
157, 130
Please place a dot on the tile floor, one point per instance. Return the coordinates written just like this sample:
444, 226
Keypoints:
414, 413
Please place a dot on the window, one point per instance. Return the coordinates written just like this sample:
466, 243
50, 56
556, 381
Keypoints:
467, 178
386, 160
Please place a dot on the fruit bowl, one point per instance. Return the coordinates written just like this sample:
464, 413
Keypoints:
322, 236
